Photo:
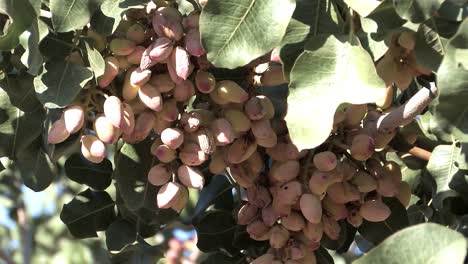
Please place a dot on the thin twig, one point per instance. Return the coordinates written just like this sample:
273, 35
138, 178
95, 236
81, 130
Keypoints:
420, 153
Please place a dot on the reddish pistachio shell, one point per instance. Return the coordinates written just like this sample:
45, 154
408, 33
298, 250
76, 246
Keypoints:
190, 177
283, 152
168, 194
264, 259
290, 192
110, 71
136, 33
157, 52
293, 222
162, 82
193, 43
258, 196
143, 125
167, 22
284, 171
170, 112
335, 210
246, 214
135, 56
122, 47
269, 215
113, 110
311, 208
362, 147
222, 131
139, 77
151, 97
261, 128
74, 118
164, 153
191, 21
180, 62
58, 132
257, 228
182, 200
280, 208
279, 236
159, 175
240, 150
238, 120
183, 91
172, 137
127, 123
325, 161
93, 149
374, 211
313, 232
205, 82
192, 155
105, 131
231, 91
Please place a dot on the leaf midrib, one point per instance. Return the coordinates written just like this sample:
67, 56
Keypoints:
91, 213
242, 20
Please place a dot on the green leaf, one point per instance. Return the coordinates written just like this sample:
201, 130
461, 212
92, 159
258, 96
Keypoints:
211, 193
321, 16
443, 167
140, 253
364, 8
96, 61
417, 11
68, 15
131, 174
21, 14
89, 212
60, 83
18, 128
20, 89
235, 33
215, 231
30, 39
56, 46
120, 234
106, 21
295, 32
328, 73
424, 243
376, 232
96, 176
449, 112
35, 167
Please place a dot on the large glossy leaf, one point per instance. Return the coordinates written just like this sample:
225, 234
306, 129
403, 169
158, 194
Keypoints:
139, 253
320, 16
60, 83
424, 243
95, 59
96, 176
89, 212
131, 174
120, 234
236, 32
18, 128
450, 112
364, 8
21, 14
417, 11
376, 232
108, 18
328, 73
215, 231
36, 168
30, 39
443, 166
68, 15
218, 186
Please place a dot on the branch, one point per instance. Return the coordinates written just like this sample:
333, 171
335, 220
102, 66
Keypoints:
405, 113
420, 153
6, 258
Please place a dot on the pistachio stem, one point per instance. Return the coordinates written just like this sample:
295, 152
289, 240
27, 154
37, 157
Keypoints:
405, 113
